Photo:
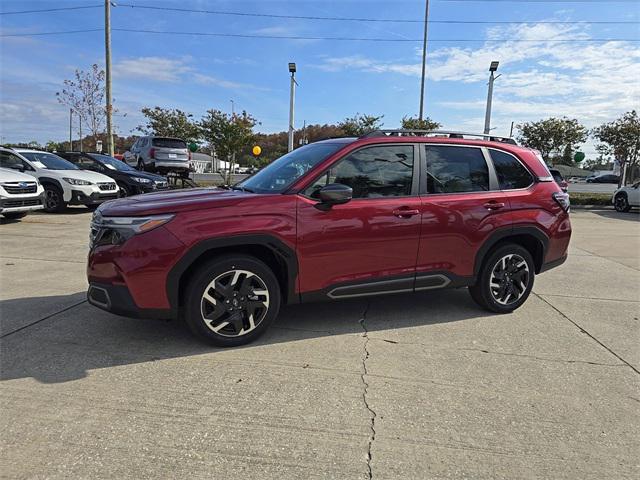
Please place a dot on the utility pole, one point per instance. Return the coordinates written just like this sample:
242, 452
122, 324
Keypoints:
511, 131
71, 129
80, 120
487, 117
292, 95
107, 51
424, 58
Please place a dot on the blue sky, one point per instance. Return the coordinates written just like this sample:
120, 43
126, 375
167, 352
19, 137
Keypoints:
592, 81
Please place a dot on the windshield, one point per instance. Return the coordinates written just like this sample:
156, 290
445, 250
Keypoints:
279, 174
112, 163
48, 160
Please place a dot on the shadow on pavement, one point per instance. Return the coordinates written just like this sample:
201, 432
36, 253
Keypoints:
66, 346
632, 215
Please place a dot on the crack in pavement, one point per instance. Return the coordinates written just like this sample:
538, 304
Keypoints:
558, 360
373, 415
43, 319
587, 333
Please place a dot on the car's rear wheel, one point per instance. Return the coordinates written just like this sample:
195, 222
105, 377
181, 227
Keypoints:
53, 199
14, 215
505, 280
621, 203
232, 301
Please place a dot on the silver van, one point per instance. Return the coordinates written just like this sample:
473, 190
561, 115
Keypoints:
158, 154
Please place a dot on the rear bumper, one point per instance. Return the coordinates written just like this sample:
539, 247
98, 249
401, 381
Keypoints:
171, 164
80, 198
553, 264
118, 300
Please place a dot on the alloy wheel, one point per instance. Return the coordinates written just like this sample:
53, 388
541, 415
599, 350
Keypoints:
621, 203
51, 199
234, 303
509, 279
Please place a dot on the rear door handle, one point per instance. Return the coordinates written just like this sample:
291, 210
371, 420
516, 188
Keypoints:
493, 205
406, 212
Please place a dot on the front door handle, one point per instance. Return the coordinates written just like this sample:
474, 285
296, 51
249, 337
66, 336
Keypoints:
493, 205
405, 212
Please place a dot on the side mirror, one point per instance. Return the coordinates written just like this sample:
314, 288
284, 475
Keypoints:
333, 194
17, 166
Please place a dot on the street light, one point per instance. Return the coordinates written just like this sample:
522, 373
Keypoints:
487, 117
292, 70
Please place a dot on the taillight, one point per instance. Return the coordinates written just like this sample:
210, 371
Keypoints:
562, 199
152, 152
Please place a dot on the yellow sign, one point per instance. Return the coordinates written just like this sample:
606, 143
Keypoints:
256, 151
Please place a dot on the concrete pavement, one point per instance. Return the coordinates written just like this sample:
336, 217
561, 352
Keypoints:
408, 386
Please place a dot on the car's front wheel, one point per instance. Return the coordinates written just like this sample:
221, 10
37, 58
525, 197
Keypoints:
621, 203
53, 199
505, 280
232, 301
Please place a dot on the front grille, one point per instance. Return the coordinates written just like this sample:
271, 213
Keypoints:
107, 186
108, 196
21, 203
20, 188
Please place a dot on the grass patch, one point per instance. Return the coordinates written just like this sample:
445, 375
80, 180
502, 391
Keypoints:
582, 198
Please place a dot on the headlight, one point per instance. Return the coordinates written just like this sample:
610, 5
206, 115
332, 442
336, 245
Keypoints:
142, 180
117, 230
76, 181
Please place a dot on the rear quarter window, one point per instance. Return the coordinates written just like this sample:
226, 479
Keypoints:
168, 143
511, 173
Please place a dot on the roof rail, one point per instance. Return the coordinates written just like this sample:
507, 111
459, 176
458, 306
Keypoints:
437, 133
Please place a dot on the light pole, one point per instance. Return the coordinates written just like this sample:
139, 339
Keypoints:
424, 57
292, 95
107, 54
487, 117
233, 108
71, 129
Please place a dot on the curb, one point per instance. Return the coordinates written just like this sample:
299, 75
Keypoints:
592, 207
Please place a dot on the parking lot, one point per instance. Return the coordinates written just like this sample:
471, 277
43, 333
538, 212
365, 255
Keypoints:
408, 386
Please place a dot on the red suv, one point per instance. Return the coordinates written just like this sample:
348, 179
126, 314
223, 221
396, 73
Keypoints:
393, 211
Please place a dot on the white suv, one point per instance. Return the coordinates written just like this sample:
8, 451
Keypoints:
19, 194
64, 183
626, 197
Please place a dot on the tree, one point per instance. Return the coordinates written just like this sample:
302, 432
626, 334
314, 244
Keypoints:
621, 138
555, 138
414, 123
167, 122
360, 124
227, 134
85, 96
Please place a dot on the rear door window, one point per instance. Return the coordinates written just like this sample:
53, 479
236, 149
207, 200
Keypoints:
511, 173
452, 169
168, 143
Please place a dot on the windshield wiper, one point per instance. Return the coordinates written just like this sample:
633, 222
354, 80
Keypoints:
243, 189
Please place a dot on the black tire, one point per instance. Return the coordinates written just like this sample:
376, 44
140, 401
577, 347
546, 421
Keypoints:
621, 203
124, 190
53, 199
511, 282
231, 321
14, 215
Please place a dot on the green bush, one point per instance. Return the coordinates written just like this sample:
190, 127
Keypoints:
590, 198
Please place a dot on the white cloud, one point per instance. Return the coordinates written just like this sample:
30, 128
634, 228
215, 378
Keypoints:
591, 81
160, 69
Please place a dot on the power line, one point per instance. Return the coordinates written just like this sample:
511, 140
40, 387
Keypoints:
296, 37
60, 9
364, 19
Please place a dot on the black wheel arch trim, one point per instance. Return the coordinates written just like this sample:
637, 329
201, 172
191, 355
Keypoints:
54, 181
280, 249
505, 232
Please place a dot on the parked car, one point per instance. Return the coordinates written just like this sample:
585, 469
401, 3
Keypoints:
340, 218
607, 178
19, 193
158, 154
626, 197
559, 179
130, 181
64, 184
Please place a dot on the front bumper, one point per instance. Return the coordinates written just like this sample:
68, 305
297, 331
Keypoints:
21, 203
80, 198
118, 300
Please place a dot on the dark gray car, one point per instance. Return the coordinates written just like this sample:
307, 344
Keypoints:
158, 154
